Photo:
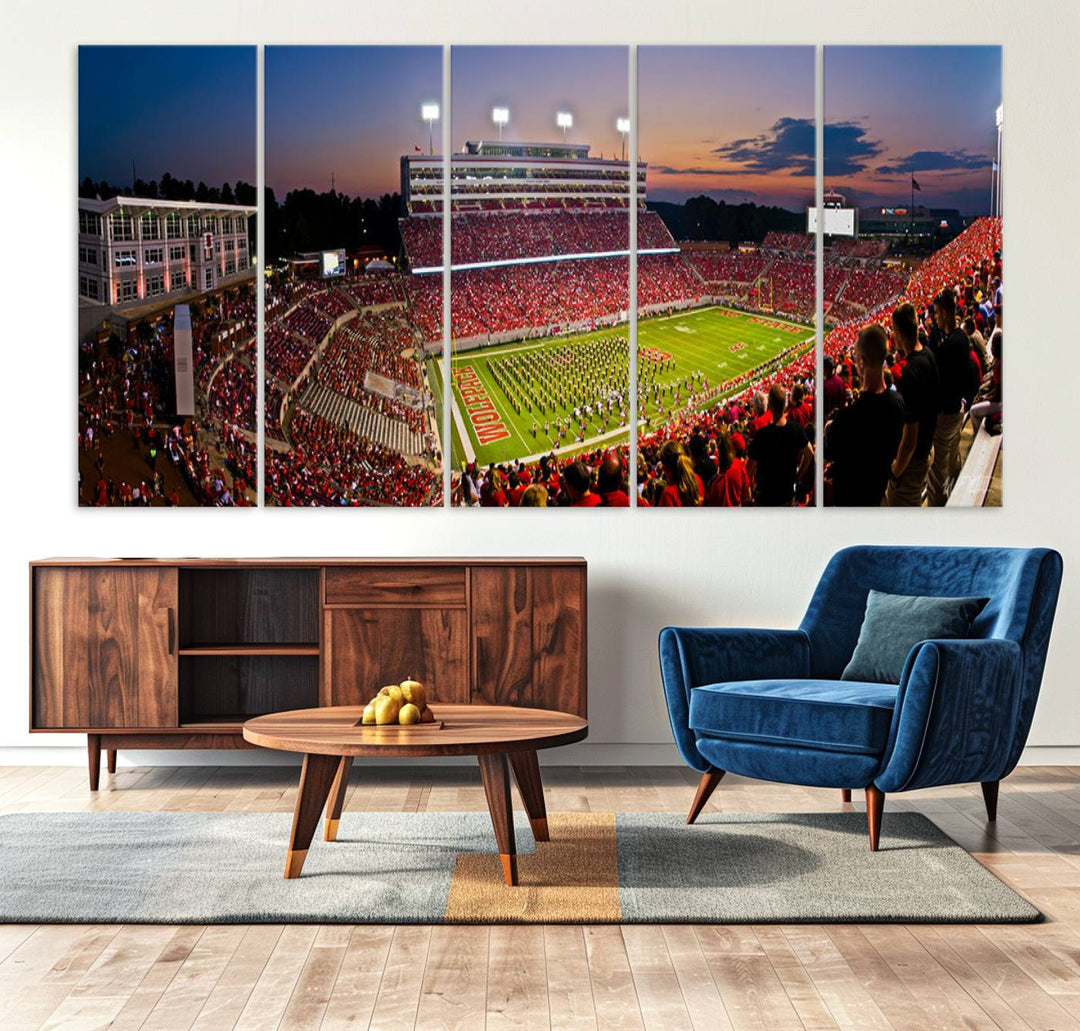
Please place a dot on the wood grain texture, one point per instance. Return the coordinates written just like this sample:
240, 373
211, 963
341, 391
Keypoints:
440, 586
526, 769
183, 739
466, 730
369, 648
316, 778
102, 650
848, 976
61, 682
528, 636
159, 645
558, 639
259, 563
336, 801
501, 635
495, 776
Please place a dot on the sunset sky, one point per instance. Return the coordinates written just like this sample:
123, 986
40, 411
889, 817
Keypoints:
347, 111
736, 123
189, 111
355, 110
731, 122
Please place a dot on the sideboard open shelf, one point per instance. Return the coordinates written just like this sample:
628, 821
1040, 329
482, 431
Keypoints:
178, 653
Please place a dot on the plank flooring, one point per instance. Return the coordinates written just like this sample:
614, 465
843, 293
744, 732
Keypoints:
709, 978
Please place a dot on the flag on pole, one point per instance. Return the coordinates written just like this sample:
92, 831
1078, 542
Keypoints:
417, 149
915, 184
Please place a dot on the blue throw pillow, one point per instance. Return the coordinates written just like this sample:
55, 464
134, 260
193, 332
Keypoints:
895, 623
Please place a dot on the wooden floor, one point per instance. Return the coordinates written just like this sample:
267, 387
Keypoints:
668, 978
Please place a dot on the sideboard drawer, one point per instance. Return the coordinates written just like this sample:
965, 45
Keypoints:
395, 585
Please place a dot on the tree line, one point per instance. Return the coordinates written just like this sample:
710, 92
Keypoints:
310, 221
702, 218
170, 188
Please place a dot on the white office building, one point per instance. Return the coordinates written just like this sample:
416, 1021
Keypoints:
133, 249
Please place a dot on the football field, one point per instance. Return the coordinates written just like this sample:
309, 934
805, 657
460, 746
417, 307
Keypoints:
570, 392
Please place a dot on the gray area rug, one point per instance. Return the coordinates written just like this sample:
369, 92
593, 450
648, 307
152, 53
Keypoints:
176, 868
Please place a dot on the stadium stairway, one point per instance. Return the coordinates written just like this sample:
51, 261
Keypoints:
361, 420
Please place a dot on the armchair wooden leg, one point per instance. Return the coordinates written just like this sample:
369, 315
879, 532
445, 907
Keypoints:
875, 803
845, 794
706, 786
990, 797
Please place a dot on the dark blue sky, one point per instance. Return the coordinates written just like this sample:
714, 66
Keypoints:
351, 111
894, 110
189, 111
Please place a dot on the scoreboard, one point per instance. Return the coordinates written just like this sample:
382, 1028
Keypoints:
333, 263
838, 221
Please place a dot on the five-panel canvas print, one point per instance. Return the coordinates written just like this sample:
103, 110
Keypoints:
484, 298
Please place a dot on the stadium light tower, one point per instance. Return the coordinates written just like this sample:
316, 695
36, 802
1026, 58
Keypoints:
430, 113
995, 202
623, 127
500, 116
564, 120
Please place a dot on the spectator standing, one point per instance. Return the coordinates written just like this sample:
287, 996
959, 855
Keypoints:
779, 454
918, 386
861, 439
833, 390
956, 386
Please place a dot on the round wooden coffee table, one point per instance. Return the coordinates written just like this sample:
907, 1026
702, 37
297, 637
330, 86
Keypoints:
498, 735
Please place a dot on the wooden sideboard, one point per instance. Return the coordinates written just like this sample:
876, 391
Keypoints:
178, 653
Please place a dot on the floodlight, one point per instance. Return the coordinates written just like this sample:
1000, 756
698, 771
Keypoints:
564, 120
622, 126
430, 113
500, 116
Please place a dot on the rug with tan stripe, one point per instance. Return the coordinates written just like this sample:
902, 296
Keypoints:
205, 868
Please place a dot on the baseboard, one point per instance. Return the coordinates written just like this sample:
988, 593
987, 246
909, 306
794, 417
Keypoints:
584, 754
587, 753
1050, 755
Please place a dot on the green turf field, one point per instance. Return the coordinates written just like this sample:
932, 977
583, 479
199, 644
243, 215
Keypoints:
716, 343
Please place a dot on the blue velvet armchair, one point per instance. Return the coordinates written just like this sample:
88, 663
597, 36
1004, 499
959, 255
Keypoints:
770, 704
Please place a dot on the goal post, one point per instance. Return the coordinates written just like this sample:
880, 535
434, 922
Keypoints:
760, 284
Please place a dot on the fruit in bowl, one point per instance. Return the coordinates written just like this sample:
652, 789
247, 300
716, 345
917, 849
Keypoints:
403, 704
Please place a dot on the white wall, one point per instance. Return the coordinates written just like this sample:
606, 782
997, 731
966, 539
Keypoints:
647, 569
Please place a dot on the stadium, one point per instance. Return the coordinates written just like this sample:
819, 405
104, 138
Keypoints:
540, 349
167, 353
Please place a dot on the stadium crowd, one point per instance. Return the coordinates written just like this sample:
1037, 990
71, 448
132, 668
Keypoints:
124, 393
328, 465
312, 460
901, 382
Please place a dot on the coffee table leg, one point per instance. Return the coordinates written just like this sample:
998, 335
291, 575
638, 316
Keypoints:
527, 774
337, 798
315, 780
496, 778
